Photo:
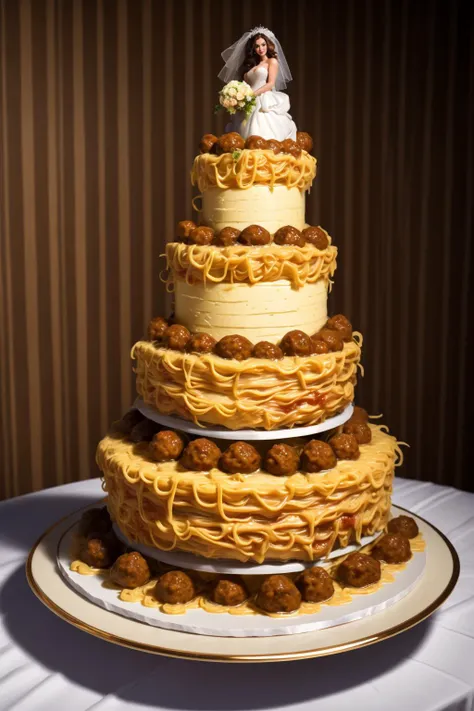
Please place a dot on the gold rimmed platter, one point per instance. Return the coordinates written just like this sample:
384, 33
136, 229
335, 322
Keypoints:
439, 578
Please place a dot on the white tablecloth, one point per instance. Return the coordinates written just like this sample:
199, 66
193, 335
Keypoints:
47, 664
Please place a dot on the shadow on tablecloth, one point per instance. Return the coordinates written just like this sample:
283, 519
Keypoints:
139, 678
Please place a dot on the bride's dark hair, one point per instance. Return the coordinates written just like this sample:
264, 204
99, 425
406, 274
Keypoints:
251, 57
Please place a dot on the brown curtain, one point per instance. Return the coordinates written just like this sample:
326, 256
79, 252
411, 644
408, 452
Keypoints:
101, 108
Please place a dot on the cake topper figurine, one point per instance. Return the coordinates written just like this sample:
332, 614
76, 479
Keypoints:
258, 59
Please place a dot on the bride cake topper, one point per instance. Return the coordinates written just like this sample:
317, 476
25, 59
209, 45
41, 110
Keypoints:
257, 58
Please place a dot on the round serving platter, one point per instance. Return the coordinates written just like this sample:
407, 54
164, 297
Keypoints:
218, 432
438, 580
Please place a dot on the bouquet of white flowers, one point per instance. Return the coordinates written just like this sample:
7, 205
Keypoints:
236, 96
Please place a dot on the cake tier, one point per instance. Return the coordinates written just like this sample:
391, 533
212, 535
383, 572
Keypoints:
246, 517
253, 393
246, 168
271, 209
239, 263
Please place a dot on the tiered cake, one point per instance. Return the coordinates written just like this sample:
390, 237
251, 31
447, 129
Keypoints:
249, 347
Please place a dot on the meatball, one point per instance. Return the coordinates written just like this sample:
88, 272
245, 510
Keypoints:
230, 142
318, 347
392, 548
342, 325
316, 236
157, 328
176, 337
130, 570
201, 343
274, 145
174, 587
166, 445
404, 526
315, 585
95, 521
359, 415
317, 456
144, 431
360, 430
185, 227
234, 346
128, 422
281, 460
227, 237
254, 235
304, 141
265, 349
359, 570
256, 142
207, 143
240, 458
201, 235
290, 146
345, 446
332, 339
201, 455
230, 592
296, 343
290, 236
278, 594
100, 551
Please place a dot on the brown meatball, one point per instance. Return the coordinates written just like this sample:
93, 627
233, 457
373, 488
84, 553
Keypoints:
234, 346
166, 445
304, 141
315, 584
254, 235
130, 570
100, 551
265, 349
230, 592
342, 325
207, 143
359, 570
316, 236
281, 460
331, 338
201, 235
392, 548
359, 415
185, 227
240, 458
201, 343
128, 422
227, 237
256, 142
95, 521
201, 455
278, 594
289, 235
345, 446
317, 456
174, 587
157, 328
404, 526
176, 337
318, 347
290, 146
296, 343
144, 431
360, 430
274, 145
230, 142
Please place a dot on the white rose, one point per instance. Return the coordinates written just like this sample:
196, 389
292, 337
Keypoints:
233, 102
232, 91
240, 95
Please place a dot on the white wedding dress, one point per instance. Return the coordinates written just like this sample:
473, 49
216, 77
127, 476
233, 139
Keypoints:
270, 117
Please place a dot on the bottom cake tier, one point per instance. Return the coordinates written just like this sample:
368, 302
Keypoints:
248, 517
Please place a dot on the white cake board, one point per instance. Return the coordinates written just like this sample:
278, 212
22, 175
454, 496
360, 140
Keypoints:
182, 559
218, 432
227, 625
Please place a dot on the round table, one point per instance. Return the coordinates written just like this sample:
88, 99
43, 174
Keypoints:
46, 663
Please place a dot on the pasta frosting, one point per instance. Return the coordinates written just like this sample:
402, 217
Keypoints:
254, 393
248, 516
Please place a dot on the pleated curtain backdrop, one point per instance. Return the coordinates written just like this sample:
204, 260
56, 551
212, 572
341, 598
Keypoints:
102, 105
